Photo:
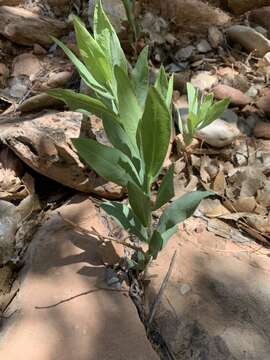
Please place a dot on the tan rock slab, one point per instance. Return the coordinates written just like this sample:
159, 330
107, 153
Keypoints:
62, 312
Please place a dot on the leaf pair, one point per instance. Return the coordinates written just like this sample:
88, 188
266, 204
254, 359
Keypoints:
202, 112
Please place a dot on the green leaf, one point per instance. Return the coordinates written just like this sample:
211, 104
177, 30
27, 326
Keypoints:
129, 110
92, 54
78, 102
170, 92
140, 203
193, 101
155, 244
129, 7
86, 76
124, 216
108, 162
216, 111
180, 210
112, 47
162, 83
155, 133
140, 77
166, 190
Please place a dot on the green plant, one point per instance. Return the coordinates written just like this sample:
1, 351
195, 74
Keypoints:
137, 121
202, 111
130, 12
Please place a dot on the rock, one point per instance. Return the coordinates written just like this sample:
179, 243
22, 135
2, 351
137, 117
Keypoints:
180, 81
262, 130
57, 80
203, 46
73, 308
218, 134
191, 325
261, 30
39, 50
241, 6
261, 17
10, 2
204, 80
43, 143
267, 58
215, 37
264, 103
249, 39
252, 92
237, 97
4, 74
60, 7
230, 116
184, 53
26, 28
18, 86
26, 64
39, 102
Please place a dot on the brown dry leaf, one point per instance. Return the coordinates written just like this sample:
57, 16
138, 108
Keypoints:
263, 197
245, 204
259, 222
219, 183
205, 162
213, 208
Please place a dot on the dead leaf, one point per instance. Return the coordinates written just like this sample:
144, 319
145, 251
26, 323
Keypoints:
219, 183
213, 208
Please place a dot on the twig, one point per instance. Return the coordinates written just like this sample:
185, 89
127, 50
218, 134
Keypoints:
78, 295
161, 291
101, 237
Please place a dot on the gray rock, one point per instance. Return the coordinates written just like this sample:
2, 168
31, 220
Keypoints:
229, 116
204, 80
185, 289
203, 46
215, 37
185, 53
249, 39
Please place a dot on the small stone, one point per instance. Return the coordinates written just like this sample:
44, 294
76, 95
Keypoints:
267, 57
185, 53
185, 289
261, 30
230, 116
249, 39
39, 50
215, 37
264, 103
19, 86
26, 64
261, 17
262, 130
237, 97
219, 133
203, 46
252, 92
204, 80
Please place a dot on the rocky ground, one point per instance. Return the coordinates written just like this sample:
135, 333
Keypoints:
216, 300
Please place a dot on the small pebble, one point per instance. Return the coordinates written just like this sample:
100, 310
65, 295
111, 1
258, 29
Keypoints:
185, 289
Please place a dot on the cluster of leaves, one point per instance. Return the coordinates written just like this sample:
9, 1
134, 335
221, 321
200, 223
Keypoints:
137, 121
202, 111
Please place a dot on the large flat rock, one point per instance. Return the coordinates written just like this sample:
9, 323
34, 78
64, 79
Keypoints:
216, 304
63, 311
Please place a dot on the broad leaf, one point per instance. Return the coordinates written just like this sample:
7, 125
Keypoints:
155, 244
77, 102
166, 189
108, 162
216, 111
155, 133
124, 215
162, 83
129, 110
140, 77
140, 203
180, 210
92, 55
86, 76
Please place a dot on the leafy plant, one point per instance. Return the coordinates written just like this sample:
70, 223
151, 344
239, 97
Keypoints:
202, 111
130, 11
137, 121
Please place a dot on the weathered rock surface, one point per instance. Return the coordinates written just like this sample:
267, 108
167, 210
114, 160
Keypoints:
237, 97
65, 311
219, 133
261, 16
262, 130
43, 143
26, 28
215, 306
241, 6
249, 39
264, 103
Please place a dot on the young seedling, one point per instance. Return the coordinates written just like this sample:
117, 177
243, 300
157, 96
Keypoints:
137, 121
202, 111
